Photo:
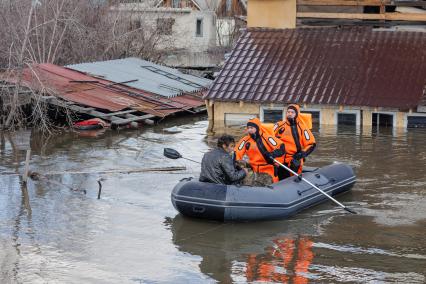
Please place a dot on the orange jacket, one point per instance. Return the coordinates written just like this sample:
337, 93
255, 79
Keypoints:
296, 136
259, 149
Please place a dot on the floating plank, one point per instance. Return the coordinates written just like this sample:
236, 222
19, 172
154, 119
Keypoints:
123, 171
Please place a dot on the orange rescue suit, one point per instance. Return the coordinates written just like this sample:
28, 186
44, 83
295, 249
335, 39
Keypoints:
296, 137
260, 149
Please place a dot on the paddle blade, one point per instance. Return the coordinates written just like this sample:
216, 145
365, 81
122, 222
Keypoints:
171, 153
350, 210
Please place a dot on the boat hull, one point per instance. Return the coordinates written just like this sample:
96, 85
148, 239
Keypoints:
244, 203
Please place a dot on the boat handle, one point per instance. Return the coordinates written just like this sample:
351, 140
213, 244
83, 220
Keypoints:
198, 209
308, 189
303, 191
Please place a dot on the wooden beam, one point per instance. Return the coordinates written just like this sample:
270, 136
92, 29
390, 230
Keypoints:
349, 22
37, 176
200, 109
112, 117
405, 16
342, 2
86, 110
120, 112
122, 121
358, 16
361, 3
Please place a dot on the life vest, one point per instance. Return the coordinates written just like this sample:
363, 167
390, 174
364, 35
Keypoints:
306, 118
297, 137
259, 149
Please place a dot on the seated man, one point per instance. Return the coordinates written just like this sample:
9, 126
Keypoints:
217, 165
298, 139
261, 147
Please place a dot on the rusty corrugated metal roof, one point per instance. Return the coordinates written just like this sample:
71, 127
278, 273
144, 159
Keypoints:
145, 75
94, 92
334, 66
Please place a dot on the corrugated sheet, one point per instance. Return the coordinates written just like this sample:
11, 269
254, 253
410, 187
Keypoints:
350, 66
150, 77
88, 91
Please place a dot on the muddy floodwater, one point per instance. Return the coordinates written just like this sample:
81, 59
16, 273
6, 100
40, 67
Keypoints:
132, 234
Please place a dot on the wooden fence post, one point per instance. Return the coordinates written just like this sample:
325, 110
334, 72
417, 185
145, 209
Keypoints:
27, 165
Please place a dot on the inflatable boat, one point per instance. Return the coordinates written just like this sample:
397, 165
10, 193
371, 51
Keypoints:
245, 203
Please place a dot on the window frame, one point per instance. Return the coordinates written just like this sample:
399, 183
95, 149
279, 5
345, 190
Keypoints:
356, 112
199, 20
414, 114
393, 114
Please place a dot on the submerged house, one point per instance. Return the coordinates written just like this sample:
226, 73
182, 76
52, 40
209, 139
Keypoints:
360, 73
119, 91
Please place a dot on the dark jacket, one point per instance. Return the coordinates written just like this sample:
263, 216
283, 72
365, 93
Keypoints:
217, 166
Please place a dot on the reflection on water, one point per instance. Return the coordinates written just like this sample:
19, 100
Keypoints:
287, 260
49, 234
259, 250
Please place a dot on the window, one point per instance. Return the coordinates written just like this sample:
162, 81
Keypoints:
416, 121
346, 118
382, 119
165, 25
199, 27
272, 115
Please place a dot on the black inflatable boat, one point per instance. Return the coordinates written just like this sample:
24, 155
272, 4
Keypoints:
244, 203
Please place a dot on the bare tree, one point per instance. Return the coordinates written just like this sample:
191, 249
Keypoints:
64, 32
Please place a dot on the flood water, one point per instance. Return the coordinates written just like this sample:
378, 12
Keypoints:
50, 234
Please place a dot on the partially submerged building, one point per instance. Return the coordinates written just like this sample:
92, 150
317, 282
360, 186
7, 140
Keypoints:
118, 91
361, 75
144, 75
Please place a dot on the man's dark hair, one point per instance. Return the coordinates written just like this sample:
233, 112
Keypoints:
225, 140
